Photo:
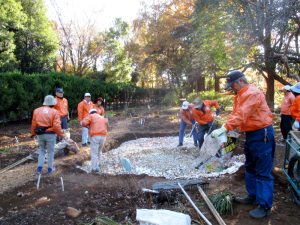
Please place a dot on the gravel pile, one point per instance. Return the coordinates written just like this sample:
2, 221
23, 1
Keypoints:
161, 158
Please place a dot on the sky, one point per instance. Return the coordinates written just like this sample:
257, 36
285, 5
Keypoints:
104, 10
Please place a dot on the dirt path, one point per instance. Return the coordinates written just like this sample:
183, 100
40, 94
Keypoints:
118, 197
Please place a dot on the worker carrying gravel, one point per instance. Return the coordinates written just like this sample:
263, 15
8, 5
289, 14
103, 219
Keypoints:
187, 118
252, 115
295, 108
45, 124
83, 109
203, 114
98, 131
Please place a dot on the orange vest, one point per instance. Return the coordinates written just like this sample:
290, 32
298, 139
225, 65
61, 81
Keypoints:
286, 103
295, 108
202, 118
187, 116
46, 117
83, 109
61, 106
250, 111
97, 125
100, 110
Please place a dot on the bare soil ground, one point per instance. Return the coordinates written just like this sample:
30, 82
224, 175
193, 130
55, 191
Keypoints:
118, 197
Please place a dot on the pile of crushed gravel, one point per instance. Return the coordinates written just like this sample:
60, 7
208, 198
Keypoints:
161, 158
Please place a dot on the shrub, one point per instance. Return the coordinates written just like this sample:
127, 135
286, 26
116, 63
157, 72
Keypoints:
170, 99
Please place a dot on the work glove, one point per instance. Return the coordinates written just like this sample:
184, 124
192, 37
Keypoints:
218, 132
218, 111
32, 136
296, 124
81, 123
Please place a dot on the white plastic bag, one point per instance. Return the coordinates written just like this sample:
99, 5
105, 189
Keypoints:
161, 217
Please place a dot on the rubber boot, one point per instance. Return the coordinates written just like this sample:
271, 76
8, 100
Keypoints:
260, 212
180, 144
195, 143
246, 200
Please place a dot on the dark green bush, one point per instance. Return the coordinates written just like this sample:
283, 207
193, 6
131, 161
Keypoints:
22, 93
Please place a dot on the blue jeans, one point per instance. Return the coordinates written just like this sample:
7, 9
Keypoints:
46, 141
85, 135
259, 163
182, 128
201, 132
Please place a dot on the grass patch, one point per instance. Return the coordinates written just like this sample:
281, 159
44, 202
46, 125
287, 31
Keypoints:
222, 201
5, 150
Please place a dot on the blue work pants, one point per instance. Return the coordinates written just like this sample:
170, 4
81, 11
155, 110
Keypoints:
259, 163
182, 129
201, 132
64, 123
285, 125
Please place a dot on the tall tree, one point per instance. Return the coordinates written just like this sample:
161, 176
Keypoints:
36, 46
269, 28
11, 19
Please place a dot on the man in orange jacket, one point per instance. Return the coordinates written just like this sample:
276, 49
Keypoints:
98, 132
286, 118
203, 114
45, 124
187, 118
295, 108
62, 107
252, 115
83, 109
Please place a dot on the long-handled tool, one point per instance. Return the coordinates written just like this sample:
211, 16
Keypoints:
193, 204
190, 134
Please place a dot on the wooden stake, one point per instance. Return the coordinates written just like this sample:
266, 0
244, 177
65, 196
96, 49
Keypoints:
38, 183
211, 207
193, 204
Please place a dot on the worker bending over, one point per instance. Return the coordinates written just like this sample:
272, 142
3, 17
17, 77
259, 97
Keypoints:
187, 118
203, 114
98, 131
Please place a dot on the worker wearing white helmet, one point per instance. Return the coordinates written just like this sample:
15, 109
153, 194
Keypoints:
98, 131
285, 114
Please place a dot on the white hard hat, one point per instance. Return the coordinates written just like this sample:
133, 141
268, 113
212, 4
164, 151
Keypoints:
185, 105
287, 87
87, 95
92, 110
49, 100
296, 88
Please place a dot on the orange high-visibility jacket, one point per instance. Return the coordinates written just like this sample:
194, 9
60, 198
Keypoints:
46, 117
250, 111
97, 125
100, 110
187, 116
202, 118
83, 109
286, 103
61, 106
295, 109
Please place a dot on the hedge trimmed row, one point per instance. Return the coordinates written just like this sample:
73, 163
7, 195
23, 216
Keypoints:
22, 93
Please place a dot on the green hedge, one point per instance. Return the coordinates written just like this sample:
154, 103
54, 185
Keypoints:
22, 93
